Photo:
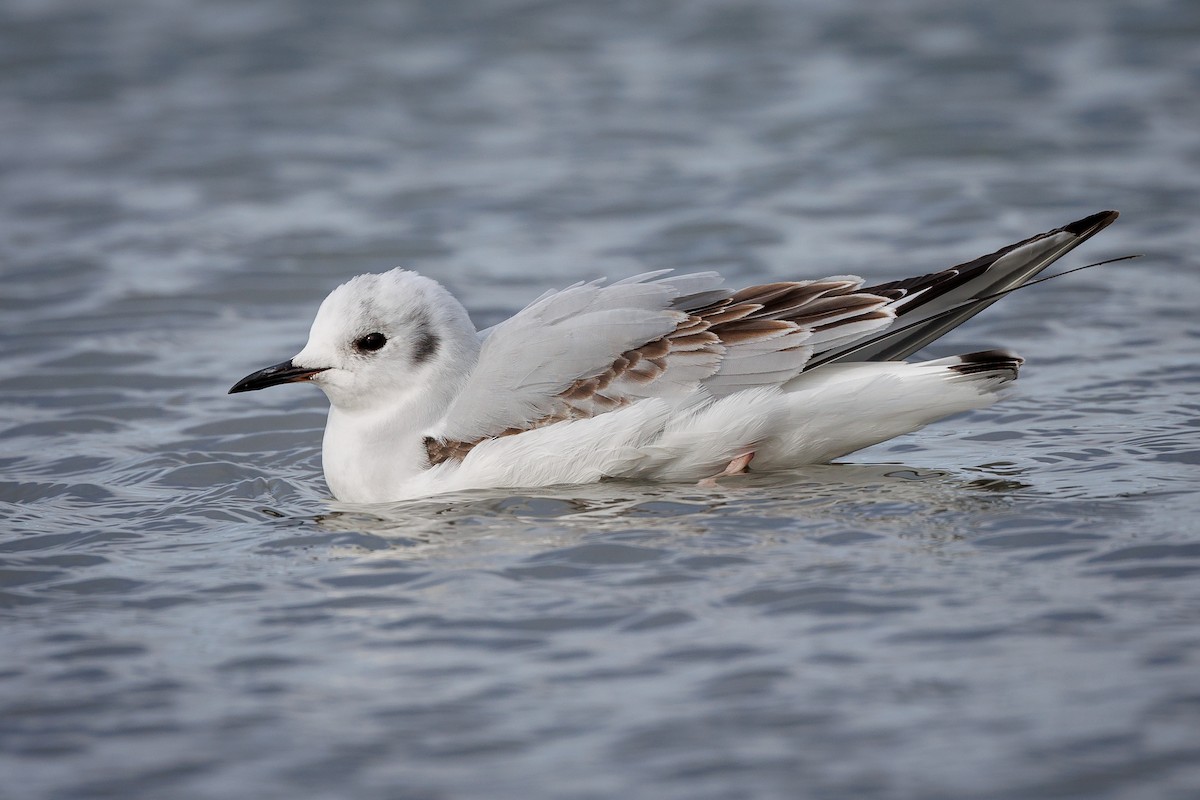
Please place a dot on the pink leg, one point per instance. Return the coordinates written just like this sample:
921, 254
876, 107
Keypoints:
735, 467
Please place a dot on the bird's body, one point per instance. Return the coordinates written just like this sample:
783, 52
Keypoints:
656, 377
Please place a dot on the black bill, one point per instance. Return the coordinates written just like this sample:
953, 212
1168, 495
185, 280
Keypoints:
287, 372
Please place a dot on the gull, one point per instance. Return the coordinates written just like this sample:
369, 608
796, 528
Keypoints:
656, 377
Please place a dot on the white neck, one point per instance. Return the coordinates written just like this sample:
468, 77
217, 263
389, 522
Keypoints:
367, 453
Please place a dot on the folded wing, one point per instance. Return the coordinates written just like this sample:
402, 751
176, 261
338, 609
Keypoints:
591, 348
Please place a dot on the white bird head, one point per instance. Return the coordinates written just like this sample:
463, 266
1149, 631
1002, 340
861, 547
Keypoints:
377, 340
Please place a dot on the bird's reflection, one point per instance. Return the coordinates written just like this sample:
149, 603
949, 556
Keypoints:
855, 495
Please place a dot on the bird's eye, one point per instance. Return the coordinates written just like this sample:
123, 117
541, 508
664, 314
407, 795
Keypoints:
370, 343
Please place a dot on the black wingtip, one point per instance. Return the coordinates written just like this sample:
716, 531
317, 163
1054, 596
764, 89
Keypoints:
1093, 224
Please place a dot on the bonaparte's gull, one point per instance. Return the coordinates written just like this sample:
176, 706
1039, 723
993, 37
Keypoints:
655, 377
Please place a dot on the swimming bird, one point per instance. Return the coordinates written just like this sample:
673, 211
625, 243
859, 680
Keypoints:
656, 377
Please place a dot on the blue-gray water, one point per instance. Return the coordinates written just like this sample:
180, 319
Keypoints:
1006, 605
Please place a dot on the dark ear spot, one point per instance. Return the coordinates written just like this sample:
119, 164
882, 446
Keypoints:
426, 346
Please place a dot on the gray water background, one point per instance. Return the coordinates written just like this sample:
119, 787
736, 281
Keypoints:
1005, 605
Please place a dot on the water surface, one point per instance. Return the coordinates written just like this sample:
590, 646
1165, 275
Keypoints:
1004, 605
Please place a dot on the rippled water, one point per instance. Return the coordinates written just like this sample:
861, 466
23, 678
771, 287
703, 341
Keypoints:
1004, 605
